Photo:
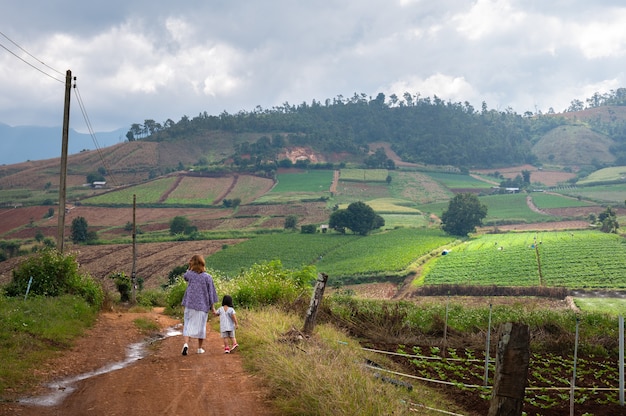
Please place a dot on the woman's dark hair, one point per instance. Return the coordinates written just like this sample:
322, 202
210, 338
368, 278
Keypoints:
228, 301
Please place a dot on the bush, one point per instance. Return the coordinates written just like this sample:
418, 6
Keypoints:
308, 229
54, 274
175, 273
123, 285
268, 284
151, 298
175, 295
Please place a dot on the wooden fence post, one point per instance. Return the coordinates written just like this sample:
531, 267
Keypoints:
511, 378
316, 299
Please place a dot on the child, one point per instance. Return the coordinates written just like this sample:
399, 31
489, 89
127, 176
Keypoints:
228, 323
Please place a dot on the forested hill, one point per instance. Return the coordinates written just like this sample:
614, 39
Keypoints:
421, 130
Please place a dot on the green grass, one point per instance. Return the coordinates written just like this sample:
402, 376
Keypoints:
611, 306
35, 329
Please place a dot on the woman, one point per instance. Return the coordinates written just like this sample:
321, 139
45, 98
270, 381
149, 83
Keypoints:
200, 297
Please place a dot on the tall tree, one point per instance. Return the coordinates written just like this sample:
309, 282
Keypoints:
464, 213
78, 230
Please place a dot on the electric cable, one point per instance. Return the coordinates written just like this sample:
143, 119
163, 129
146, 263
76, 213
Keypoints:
93, 135
29, 63
31, 55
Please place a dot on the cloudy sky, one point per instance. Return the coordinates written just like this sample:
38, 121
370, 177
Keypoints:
153, 59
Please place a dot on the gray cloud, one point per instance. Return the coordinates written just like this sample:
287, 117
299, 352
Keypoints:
139, 59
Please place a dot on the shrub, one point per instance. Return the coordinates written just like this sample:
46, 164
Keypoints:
54, 274
308, 229
268, 284
123, 285
175, 273
152, 298
175, 294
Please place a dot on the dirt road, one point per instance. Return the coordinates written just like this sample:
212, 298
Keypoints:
163, 382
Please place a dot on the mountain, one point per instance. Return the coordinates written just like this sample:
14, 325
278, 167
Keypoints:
23, 143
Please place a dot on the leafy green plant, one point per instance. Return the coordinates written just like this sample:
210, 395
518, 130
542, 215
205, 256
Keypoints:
51, 273
123, 285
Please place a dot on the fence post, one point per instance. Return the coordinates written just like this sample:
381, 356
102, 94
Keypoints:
621, 360
572, 391
487, 347
316, 299
511, 378
30, 282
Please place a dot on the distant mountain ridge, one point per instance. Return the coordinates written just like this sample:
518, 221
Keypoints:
22, 143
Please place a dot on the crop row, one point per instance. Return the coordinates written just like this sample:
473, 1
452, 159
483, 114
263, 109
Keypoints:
338, 255
548, 376
571, 259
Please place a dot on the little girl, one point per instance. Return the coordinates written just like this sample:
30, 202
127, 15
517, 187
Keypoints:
228, 323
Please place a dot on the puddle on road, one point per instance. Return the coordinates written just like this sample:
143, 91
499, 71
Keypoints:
63, 388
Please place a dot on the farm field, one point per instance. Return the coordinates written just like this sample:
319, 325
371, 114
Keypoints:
459, 182
610, 174
573, 259
605, 194
344, 257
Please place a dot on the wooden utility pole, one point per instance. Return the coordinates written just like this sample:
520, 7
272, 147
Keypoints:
511, 378
62, 181
316, 300
133, 274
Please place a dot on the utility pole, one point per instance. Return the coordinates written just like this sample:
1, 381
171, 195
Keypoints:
62, 184
133, 274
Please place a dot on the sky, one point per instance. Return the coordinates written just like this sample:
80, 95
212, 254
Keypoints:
137, 60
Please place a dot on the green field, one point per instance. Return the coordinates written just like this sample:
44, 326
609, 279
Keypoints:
613, 194
501, 209
579, 259
511, 208
364, 175
312, 181
341, 256
612, 174
548, 201
457, 181
148, 193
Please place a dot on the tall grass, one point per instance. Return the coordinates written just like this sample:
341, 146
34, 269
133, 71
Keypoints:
322, 375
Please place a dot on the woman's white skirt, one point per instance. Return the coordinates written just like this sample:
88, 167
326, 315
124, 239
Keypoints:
195, 323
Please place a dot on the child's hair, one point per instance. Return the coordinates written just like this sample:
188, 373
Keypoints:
228, 301
197, 263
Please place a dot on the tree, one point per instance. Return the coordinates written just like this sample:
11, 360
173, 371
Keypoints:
179, 224
608, 221
359, 217
291, 221
464, 213
79, 233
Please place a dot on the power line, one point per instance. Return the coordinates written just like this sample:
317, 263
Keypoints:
33, 57
92, 133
